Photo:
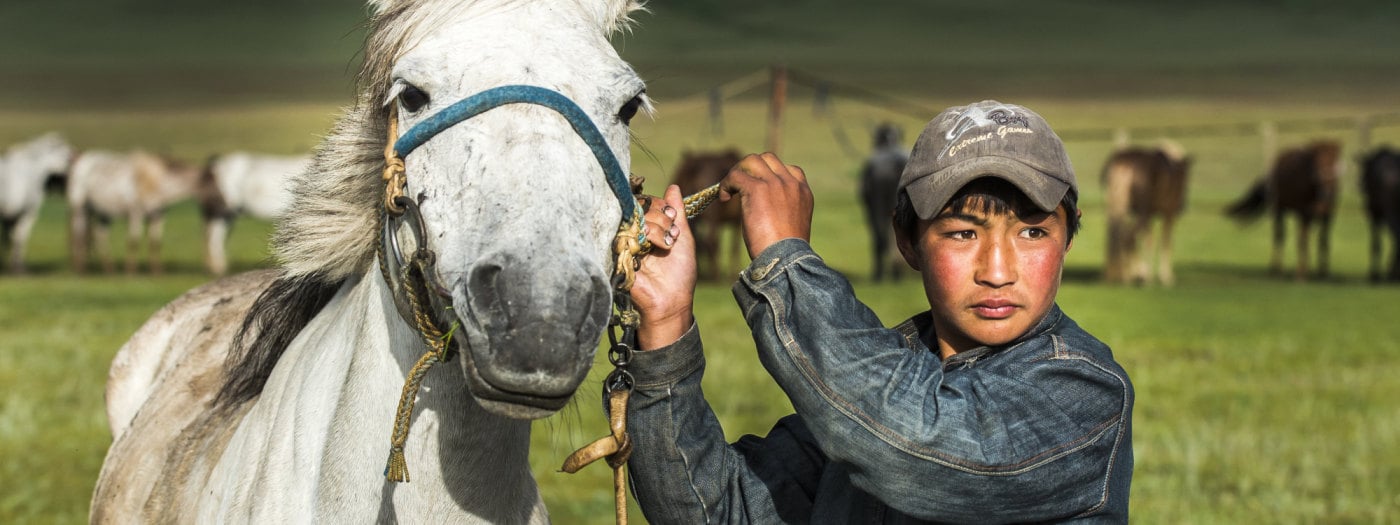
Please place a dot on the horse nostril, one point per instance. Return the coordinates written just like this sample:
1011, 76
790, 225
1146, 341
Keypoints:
484, 292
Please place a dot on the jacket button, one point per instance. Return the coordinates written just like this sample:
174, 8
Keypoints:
759, 273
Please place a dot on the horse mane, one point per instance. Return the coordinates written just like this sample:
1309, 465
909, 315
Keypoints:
329, 233
276, 317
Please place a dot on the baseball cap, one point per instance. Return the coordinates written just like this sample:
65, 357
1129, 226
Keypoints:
987, 139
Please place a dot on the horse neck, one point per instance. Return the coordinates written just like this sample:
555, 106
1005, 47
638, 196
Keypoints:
336, 406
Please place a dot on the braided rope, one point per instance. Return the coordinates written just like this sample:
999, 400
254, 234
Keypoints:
698, 201
395, 173
438, 342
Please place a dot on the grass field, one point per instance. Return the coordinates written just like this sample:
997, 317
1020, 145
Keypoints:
1259, 399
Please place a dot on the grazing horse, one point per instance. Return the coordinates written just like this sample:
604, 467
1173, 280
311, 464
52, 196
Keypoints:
879, 183
498, 230
1380, 186
24, 171
1303, 180
698, 171
242, 183
1141, 184
138, 186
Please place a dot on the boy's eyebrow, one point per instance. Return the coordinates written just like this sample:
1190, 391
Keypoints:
979, 220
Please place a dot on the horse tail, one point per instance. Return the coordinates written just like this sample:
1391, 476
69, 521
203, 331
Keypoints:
1252, 205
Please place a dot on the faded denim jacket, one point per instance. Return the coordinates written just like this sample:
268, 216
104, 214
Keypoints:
884, 431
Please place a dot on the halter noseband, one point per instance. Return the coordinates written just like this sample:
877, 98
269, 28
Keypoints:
519, 94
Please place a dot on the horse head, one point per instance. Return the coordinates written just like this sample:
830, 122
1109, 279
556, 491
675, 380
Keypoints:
510, 200
49, 155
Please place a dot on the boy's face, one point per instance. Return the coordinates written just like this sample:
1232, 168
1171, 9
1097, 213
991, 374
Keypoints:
989, 277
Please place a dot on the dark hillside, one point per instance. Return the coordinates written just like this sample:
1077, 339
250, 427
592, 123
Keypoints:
162, 52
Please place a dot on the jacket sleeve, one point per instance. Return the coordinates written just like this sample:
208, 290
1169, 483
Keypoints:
1033, 438
683, 470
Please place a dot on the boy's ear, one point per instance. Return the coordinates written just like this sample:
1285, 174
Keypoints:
906, 247
1078, 218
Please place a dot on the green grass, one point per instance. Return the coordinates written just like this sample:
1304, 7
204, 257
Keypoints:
1259, 399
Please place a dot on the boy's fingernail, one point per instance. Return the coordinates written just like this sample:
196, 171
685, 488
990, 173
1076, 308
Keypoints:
675, 230
670, 212
668, 240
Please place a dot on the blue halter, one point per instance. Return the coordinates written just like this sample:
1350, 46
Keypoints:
520, 94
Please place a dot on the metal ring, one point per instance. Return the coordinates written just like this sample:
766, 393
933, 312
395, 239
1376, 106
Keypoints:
620, 354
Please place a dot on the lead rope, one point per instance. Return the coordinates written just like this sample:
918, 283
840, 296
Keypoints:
616, 447
438, 342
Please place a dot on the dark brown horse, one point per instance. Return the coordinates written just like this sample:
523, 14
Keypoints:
1380, 186
698, 171
1303, 181
1141, 184
879, 182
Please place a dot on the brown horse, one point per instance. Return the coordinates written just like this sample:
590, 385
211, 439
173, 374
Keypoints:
1380, 186
1141, 184
879, 183
137, 186
1303, 181
696, 172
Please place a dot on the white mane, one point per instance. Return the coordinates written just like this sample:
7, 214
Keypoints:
331, 227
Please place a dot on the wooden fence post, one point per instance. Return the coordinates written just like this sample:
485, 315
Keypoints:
1268, 134
1364, 125
716, 112
776, 103
1122, 138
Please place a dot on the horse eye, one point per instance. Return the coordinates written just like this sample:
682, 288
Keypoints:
629, 110
413, 99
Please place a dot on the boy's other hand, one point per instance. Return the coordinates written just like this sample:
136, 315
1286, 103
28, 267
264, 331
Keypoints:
775, 200
665, 285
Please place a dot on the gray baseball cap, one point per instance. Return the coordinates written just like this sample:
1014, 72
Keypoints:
987, 139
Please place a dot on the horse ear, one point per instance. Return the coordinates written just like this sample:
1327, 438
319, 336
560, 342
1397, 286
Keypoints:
619, 17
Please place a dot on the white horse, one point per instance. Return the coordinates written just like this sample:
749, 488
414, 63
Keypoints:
137, 186
243, 183
24, 169
520, 218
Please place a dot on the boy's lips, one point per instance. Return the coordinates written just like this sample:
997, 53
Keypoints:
994, 308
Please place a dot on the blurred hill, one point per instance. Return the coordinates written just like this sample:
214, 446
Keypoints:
170, 52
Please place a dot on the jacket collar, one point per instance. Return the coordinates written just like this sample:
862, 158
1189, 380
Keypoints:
918, 333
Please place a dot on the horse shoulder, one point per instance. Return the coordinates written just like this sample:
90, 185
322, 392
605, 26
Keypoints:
159, 387
206, 316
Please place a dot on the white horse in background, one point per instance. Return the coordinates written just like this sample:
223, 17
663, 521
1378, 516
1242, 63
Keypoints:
137, 186
24, 169
243, 183
296, 428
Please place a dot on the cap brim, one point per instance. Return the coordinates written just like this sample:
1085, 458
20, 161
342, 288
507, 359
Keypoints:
931, 192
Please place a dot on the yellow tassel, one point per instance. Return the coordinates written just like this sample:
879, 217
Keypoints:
397, 469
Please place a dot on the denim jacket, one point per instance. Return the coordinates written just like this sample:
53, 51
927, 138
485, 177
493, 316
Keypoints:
884, 431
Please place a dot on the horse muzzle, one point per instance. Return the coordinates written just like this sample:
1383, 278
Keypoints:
532, 327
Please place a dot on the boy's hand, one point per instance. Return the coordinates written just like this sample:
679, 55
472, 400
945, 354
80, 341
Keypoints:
665, 287
775, 200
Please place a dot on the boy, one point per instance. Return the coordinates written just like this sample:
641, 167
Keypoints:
993, 406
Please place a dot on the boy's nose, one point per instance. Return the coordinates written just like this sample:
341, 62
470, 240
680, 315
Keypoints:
997, 264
